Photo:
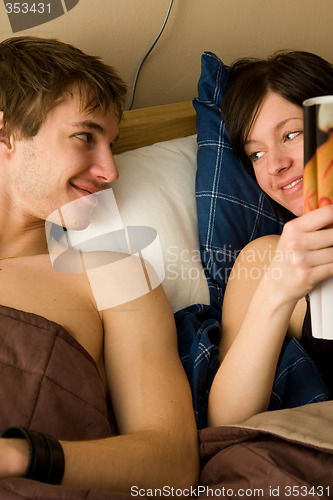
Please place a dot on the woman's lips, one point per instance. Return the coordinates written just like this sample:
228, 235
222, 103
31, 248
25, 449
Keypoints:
292, 186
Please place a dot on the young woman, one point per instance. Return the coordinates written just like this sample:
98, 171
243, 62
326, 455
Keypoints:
265, 300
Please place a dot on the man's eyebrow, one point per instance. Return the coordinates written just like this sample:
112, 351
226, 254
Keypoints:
91, 125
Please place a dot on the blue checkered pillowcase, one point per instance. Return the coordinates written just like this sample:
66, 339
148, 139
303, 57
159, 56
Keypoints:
232, 210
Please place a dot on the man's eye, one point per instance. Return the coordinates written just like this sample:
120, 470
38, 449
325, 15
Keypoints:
256, 155
83, 136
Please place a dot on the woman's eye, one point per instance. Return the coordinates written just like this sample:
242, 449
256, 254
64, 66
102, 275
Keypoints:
291, 135
83, 136
256, 155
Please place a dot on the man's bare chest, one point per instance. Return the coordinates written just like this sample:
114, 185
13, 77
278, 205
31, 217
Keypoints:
32, 285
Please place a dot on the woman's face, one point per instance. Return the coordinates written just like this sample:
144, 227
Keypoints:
275, 148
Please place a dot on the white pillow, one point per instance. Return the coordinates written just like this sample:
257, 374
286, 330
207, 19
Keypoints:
156, 188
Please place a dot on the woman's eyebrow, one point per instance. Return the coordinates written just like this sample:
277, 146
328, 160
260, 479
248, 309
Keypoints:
277, 127
283, 122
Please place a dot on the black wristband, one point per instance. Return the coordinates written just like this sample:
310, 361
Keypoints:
47, 461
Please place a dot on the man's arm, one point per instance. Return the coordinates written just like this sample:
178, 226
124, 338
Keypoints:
151, 401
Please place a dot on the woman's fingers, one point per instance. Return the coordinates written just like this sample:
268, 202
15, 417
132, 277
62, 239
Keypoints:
321, 273
320, 257
316, 240
315, 220
312, 231
304, 255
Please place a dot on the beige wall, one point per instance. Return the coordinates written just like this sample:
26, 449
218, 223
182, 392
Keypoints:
121, 31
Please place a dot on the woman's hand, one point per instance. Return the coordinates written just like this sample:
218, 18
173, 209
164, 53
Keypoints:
304, 255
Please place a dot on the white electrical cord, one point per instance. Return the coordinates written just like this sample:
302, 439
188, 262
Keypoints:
147, 54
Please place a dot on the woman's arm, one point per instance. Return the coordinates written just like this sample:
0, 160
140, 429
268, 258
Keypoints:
269, 278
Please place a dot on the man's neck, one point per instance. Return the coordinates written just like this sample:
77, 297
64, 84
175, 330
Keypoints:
17, 240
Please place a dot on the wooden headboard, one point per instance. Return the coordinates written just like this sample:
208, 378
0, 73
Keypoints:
142, 127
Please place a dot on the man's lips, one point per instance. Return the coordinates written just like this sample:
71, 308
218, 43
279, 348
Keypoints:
86, 192
85, 189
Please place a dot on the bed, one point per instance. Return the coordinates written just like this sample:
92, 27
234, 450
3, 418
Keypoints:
173, 161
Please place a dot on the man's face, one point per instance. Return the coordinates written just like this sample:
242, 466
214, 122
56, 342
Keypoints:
67, 160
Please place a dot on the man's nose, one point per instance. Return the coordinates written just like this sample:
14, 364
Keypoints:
104, 168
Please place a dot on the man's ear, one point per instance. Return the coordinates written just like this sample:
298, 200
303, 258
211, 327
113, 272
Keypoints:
3, 139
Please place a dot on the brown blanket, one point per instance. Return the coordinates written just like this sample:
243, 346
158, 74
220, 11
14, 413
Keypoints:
49, 383
281, 454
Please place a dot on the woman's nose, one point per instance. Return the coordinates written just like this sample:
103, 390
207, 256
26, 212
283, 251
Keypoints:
278, 161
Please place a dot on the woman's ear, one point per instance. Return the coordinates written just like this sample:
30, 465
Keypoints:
3, 139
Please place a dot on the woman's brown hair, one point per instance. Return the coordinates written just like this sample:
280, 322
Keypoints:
295, 75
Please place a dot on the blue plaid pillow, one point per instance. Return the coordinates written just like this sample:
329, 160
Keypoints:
232, 210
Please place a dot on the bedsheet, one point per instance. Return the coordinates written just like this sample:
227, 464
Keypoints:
49, 383
282, 454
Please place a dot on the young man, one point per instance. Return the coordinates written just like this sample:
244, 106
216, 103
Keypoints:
60, 110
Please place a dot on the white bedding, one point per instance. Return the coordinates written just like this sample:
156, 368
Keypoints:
156, 188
